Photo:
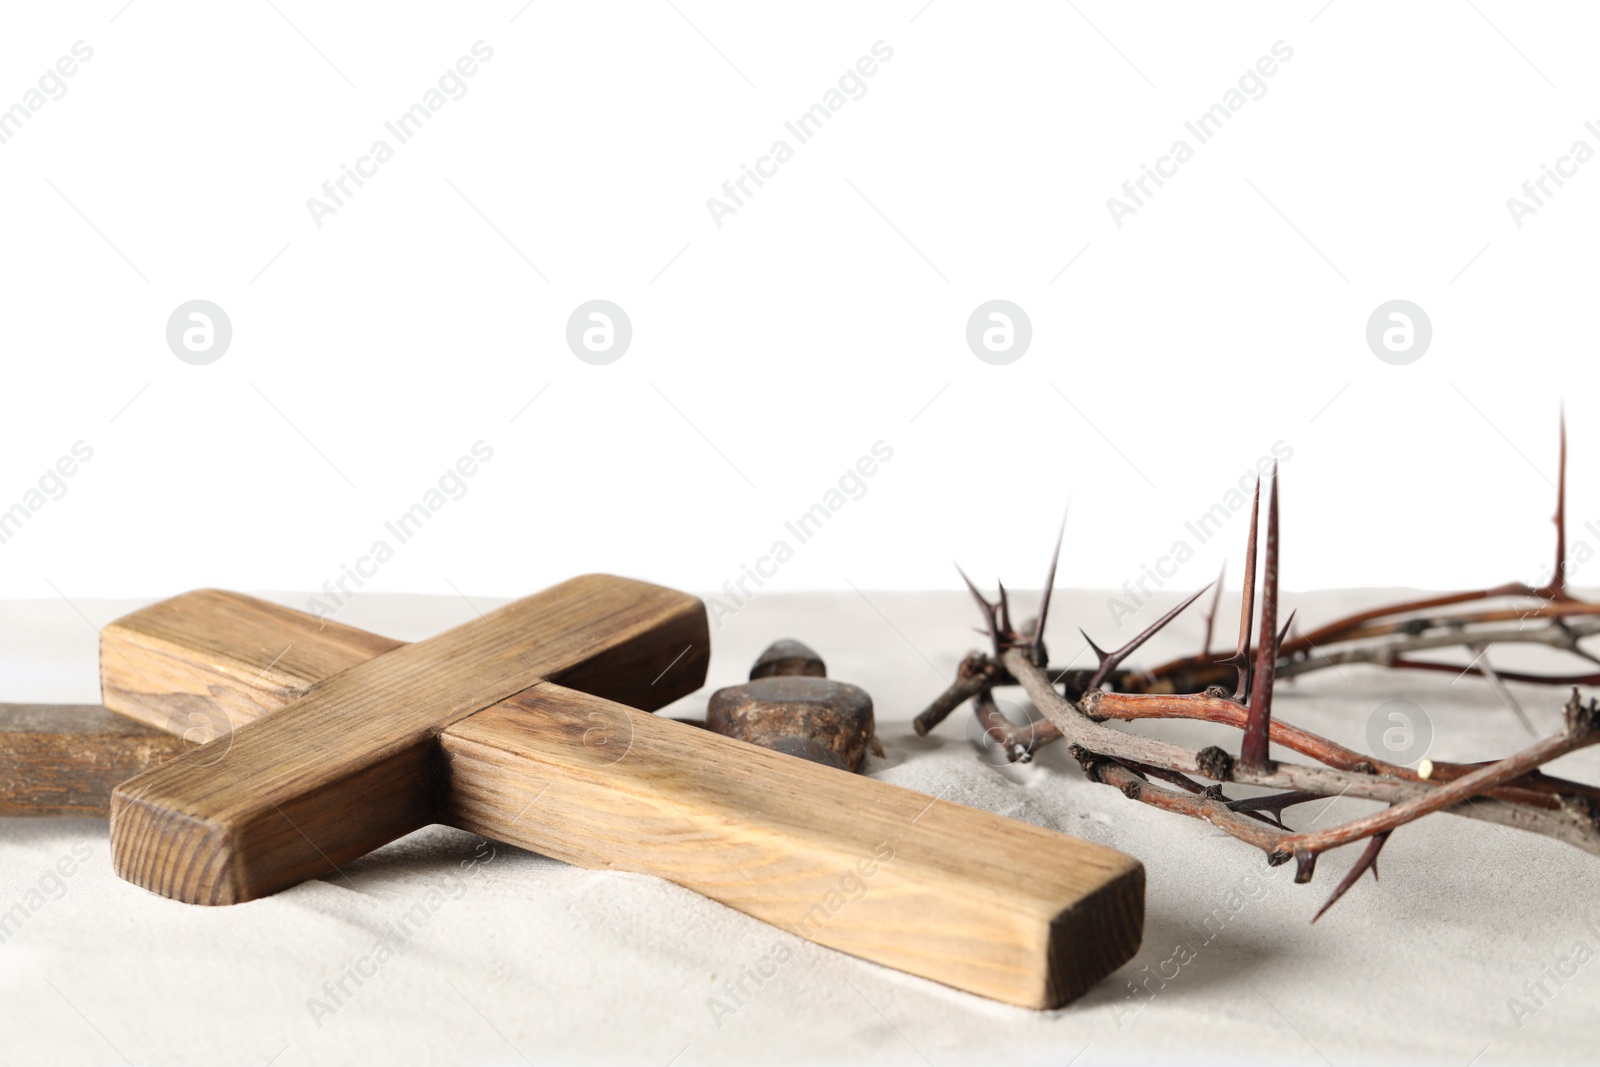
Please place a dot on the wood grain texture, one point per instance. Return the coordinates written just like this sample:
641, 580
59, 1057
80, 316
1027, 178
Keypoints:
205, 662
959, 895
190, 669
352, 764
65, 759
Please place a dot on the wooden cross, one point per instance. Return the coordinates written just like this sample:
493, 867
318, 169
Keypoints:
521, 725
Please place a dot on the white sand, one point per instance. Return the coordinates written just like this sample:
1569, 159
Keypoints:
529, 958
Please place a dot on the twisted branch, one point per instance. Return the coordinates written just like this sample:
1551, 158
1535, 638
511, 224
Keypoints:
1076, 704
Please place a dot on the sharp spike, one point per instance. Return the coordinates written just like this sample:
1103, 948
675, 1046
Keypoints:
1049, 587
987, 608
1557, 588
1481, 653
1272, 805
970, 586
1254, 752
1109, 661
1211, 616
1241, 654
1005, 608
1288, 624
1369, 859
1273, 801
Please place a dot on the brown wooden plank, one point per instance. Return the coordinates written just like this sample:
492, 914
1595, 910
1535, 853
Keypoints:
969, 898
175, 686
353, 763
190, 685
65, 759
205, 662
963, 896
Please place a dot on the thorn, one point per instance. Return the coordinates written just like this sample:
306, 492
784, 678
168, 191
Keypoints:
1369, 858
1284, 633
1005, 607
1049, 587
1109, 661
1481, 652
1557, 587
1241, 655
1272, 804
1100, 654
1177, 778
987, 608
972, 588
1211, 616
1254, 752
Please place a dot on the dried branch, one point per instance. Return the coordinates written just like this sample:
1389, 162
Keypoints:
976, 674
1213, 707
1582, 730
997, 727
1512, 791
1080, 728
1562, 635
1197, 806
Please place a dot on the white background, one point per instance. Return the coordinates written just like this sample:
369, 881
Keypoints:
827, 314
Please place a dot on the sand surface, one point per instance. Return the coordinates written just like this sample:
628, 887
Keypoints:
528, 959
